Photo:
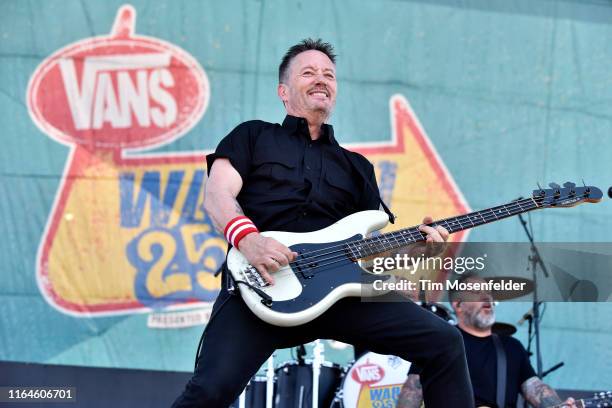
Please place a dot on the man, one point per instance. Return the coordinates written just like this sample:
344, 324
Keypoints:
475, 311
295, 177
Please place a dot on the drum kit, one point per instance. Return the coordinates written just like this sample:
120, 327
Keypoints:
372, 380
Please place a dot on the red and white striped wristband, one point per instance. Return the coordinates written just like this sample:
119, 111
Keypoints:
237, 229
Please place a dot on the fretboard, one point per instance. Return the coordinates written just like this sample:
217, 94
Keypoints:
393, 240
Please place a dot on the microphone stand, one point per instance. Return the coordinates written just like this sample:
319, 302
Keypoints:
535, 260
553, 368
529, 331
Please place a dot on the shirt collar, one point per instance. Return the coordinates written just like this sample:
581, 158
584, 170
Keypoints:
298, 125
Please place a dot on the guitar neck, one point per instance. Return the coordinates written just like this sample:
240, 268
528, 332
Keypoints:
393, 240
601, 400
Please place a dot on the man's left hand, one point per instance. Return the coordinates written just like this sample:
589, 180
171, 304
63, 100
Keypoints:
436, 237
569, 403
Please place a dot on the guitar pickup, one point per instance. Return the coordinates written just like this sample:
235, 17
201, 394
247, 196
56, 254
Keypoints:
300, 266
309, 267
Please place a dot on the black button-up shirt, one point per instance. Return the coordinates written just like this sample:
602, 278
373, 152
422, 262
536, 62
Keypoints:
293, 183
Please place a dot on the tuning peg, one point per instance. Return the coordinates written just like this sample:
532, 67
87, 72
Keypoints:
557, 188
587, 190
572, 188
542, 192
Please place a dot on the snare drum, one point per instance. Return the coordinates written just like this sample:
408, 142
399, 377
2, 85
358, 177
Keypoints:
294, 385
374, 380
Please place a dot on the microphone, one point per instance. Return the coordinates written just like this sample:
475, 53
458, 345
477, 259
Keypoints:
610, 192
526, 316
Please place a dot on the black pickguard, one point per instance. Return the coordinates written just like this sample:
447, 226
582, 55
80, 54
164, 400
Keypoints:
319, 280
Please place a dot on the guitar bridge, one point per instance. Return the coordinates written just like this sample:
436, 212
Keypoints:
254, 278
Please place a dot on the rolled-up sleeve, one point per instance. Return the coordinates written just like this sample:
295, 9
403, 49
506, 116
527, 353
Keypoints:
237, 148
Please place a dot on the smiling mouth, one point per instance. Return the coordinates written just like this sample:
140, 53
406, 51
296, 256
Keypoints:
319, 93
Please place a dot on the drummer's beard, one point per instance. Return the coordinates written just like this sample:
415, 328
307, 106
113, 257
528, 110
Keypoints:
482, 319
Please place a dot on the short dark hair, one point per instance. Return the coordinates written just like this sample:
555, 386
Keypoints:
306, 44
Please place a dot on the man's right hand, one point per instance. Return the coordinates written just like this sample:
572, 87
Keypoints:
265, 254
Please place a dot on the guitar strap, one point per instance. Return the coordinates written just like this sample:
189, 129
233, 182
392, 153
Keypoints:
369, 184
501, 371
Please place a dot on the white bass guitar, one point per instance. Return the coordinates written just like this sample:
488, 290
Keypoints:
327, 267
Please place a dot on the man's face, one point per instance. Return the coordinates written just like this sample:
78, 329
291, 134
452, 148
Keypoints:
310, 85
477, 310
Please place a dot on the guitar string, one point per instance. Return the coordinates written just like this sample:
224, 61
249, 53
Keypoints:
415, 236
409, 231
407, 236
340, 256
439, 222
420, 236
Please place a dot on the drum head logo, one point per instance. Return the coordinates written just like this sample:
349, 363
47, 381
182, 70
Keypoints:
375, 380
368, 373
127, 231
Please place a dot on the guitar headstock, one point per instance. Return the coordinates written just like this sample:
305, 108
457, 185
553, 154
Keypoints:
567, 196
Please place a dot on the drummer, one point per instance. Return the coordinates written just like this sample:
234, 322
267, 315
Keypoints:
475, 311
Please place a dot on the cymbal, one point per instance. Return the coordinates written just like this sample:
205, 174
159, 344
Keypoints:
511, 294
503, 329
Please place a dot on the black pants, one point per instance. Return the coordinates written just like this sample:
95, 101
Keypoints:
236, 343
